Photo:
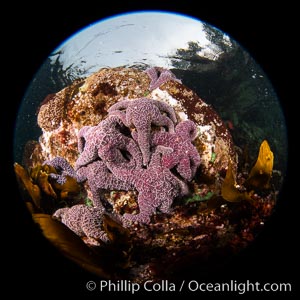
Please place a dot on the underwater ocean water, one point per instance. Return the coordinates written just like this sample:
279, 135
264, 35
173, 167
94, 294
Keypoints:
127, 200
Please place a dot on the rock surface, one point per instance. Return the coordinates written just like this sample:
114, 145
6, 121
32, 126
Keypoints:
85, 103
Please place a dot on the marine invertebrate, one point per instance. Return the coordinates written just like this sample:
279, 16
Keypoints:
156, 185
81, 99
99, 178
159, 76
201, 225
107, 142
44, 192
83, 220
96, 173
142, 113
185, 156
62, 166
105, 167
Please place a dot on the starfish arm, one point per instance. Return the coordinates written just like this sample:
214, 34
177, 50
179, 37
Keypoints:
184, 189
91, 221
194, 160
60, 179
128, 176
121, 115
134, 135
164, 107
159, 76
161, 120
96, 199
58, 214
161, 138
119, 105
169, 161
94, 232
167, 75
71, 217
112, 154
121, 151
81, 174
99, 177
119, 185
152, 73
111, 182
62, 165
87, 156
184, 168
165, 207
156, 159
143, 139
133, 149
81, 136
109, 124
187, 130
146, 208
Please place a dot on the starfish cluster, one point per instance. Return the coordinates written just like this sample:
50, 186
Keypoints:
137, 147
185, 156
107, 142
141, 114
156, 186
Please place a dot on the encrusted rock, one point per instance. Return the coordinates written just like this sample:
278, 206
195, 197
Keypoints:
86, 103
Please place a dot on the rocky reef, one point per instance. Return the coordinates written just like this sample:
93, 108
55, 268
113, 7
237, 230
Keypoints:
122, 152
135, 160
86, 103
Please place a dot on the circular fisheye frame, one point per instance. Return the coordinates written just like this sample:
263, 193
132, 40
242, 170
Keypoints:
158, 145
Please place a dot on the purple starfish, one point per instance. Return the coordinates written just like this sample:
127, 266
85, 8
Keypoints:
96, 173
83, 220
99, 178
106, 141
156, 185
142, 113
185, 156
159, 76
64, 168
187, 130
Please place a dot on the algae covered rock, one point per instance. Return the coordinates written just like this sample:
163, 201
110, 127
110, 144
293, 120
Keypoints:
86, 103
135, 166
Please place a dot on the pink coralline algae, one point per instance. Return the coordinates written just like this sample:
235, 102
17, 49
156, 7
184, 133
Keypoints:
185, 156
106, 141
83, 220
156, 185
159, 76
142, 113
